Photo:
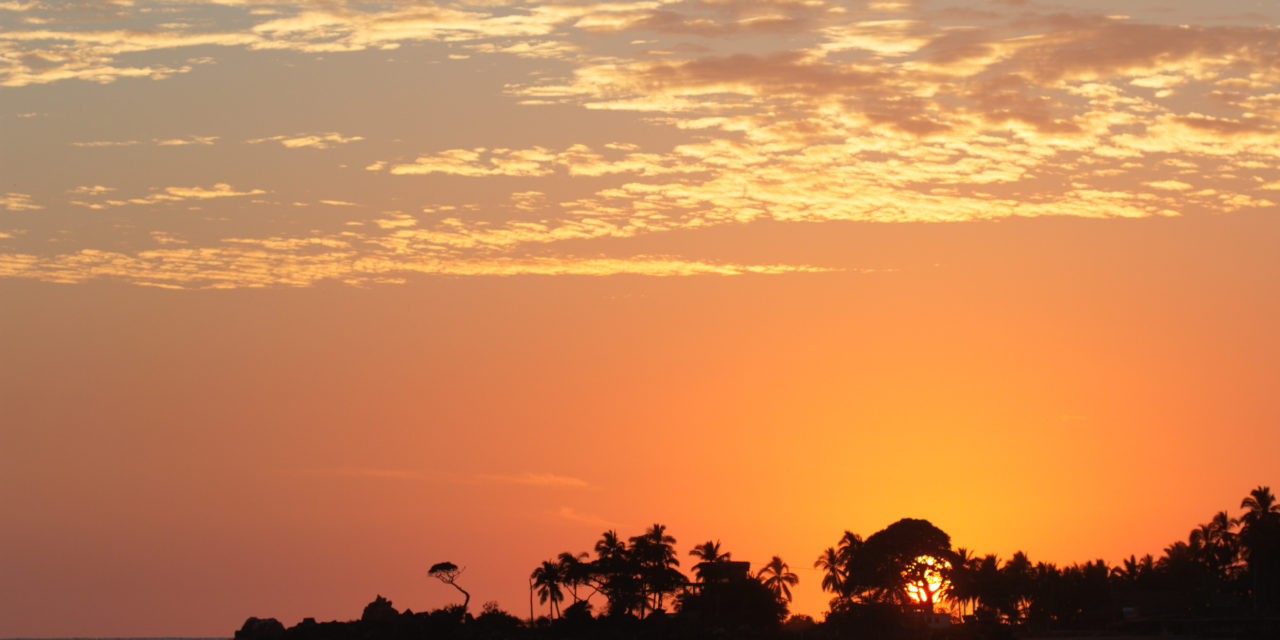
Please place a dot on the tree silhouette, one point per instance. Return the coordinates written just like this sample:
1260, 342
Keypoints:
448, 572
1019, 580
888, 567
961, 589
988, 586
777, 577
1260, 544
847, 550
849, 544
709, 552
655, 554
616, 574
832, 570
547, 579
574, 572
737, 604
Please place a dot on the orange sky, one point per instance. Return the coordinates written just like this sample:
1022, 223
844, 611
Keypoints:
297, 299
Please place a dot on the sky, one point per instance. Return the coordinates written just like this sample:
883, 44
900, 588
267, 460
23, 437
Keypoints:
300, 297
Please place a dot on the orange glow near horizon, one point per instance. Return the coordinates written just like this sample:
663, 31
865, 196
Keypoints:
926, 580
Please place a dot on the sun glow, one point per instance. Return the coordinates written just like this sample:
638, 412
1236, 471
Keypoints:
926, 579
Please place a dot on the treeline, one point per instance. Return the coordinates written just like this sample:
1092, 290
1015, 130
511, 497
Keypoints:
905, 581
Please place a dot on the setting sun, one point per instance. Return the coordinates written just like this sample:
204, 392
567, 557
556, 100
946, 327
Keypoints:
926, 578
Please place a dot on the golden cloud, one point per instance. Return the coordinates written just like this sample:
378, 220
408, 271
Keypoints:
12, 201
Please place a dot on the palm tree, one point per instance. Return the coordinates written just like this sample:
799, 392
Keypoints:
547, 578
615, 573
574, 572
610, 546
1215, 546
832, 570
1260, 544
962, 587
849, 544
655, 552
1260, 503
778, 578
710, 553
988, 584
1019, 578
1127, 570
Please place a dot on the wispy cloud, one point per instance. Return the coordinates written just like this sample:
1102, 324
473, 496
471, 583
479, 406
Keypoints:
302, 262
880, 112
535, 479
164, 195
313, 140
358, 472
159, 142
106, 143
576, 517
180, 142
13, 201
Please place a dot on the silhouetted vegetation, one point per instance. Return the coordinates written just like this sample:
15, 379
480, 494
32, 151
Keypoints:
904, 581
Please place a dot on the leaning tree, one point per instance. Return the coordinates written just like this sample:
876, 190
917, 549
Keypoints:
448, 572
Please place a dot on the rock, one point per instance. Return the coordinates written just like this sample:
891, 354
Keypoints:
380, 610
260, 629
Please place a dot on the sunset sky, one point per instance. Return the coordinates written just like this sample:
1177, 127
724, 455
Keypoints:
299, 297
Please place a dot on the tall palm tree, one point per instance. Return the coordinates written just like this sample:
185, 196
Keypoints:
847, 550
1260, 545
574, 572
1214, 545
1201, 539
989, 585
849, 544
709, 552
1019, 580
547, 579
962, 587
778, 578
1127, 571
655, 553
615, 573
832, 570
1259, 503
610, 546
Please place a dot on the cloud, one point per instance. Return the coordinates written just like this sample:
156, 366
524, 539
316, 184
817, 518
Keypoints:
1168, 185
576, 160
886, 112
572, 515
303, 262
359, 472
535, 480
480, 162
160, 142
12, 201
107, 143
178, 142
326, 140
164, 195
90, 190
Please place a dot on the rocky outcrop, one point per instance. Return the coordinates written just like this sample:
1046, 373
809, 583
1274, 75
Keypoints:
261, 629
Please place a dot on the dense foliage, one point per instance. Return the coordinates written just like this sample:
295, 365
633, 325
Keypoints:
904, 581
